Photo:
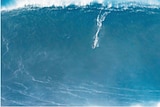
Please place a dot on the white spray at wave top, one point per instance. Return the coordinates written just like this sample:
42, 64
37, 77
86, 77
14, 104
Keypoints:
47, 3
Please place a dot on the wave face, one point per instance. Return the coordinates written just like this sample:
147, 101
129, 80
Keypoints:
94, 55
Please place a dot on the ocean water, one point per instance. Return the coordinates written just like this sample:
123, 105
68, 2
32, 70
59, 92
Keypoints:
80, 53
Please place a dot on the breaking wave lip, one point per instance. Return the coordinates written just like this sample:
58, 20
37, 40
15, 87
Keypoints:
63, 3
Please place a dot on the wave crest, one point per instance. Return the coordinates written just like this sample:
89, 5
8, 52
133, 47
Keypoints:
48, 3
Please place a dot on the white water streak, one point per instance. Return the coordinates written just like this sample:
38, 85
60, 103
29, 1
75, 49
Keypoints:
6, 42
22, 85
100, 18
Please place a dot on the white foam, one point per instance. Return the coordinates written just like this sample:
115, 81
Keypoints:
151, 104
47, 3
158, 105
136, 105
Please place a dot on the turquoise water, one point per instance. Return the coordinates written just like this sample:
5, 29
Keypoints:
50, 56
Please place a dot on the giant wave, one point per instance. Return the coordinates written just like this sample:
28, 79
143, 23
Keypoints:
91, 53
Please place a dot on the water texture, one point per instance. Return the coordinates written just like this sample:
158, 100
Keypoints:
95, 54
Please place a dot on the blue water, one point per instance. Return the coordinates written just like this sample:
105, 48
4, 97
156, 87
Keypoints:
49, 58
6, 2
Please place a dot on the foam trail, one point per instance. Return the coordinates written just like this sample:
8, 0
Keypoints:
100, 18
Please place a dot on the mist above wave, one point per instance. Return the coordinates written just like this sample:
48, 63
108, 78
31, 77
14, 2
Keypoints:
48, 3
